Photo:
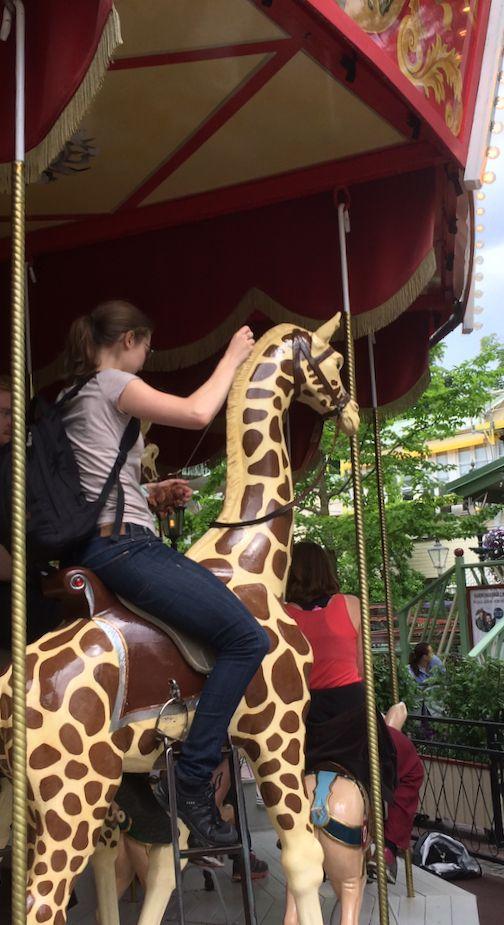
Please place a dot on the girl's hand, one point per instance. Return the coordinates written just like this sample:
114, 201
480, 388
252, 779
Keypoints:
241, 346
168, 494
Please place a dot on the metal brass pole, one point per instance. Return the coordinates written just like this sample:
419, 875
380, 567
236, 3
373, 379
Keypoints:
387, 583
19, 812
372, 728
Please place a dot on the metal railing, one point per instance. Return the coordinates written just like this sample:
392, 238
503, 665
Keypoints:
491, 646
438, 614
463, 789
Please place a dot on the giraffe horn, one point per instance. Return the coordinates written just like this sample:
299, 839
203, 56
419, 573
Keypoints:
327, 330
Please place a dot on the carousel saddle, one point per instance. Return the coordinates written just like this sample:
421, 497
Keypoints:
150, 653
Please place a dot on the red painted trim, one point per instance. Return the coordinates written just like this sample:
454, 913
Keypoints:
473, 74
232, 104
198, 54
241, 197
322, 23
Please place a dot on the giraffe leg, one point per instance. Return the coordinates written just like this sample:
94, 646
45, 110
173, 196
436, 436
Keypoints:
344, 865
5, 810
161, 880
104, 869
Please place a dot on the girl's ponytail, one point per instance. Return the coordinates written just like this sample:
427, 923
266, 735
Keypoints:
81, 349
102, 328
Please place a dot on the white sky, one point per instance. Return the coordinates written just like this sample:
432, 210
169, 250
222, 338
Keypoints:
464, 346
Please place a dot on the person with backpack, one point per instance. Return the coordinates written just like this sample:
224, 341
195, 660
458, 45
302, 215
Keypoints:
105, 350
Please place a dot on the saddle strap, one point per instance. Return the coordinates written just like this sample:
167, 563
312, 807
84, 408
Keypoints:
354, 836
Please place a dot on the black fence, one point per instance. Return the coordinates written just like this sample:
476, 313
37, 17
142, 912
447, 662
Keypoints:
463, 789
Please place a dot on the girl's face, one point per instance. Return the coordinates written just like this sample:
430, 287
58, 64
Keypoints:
136, 352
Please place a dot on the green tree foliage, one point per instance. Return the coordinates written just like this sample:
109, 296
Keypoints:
452, 397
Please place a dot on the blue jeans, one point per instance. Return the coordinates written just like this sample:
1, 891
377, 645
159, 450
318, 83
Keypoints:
178, 591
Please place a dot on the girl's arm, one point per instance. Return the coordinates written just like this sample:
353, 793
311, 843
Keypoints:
354, 612
198, 409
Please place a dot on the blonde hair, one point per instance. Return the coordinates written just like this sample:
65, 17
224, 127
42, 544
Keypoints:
101, 328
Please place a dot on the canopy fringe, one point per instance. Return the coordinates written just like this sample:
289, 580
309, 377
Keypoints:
38, 158
393, 408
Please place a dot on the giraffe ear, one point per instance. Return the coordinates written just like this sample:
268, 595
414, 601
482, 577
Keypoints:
327, 330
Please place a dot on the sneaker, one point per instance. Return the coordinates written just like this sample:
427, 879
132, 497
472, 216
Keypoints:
196, 808
258, 869
390, 861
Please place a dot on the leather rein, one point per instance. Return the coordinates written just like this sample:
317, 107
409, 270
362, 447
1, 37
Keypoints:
340, 400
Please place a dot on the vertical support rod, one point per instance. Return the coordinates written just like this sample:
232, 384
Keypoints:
465, 643
372, 729
387, 583
19, 811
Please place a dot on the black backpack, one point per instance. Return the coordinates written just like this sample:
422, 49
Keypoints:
58, 516
444, 856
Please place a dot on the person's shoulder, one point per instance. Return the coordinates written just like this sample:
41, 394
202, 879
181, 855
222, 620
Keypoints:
112, 383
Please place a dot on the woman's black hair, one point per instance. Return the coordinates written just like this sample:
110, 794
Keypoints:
421, 649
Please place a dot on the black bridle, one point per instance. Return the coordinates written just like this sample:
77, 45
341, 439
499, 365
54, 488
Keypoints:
340, 399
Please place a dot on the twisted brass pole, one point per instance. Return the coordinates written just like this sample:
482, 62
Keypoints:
18, 549
372, 726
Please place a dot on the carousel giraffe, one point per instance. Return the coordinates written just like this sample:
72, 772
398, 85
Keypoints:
91, 707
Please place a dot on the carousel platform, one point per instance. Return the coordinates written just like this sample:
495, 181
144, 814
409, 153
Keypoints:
437, 902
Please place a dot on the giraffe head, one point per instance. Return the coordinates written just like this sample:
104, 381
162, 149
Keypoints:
317, 377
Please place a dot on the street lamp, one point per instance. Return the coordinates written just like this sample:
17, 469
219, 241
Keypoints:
438, 555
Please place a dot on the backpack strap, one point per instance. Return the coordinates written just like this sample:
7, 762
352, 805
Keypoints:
128, 440
74, 390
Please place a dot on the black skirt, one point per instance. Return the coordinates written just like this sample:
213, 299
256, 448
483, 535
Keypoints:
336, 735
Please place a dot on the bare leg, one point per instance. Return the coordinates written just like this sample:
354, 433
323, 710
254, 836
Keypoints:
344, 865
397, 715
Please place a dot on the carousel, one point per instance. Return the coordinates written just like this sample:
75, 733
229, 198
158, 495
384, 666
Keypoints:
220, 163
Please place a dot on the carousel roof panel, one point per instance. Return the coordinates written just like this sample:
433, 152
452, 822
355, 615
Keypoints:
179, 25
302, 116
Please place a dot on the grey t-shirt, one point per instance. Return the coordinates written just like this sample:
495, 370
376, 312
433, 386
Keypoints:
94, 426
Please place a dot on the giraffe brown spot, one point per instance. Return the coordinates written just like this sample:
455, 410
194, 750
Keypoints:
286, 678
55, 675
255, 598
251, 748
254, 415
291, 753
58, 860
147, 742
76, 862
5, 706
58, 829
253, 558
105, 761
262, 371
30, 857
40, 869
292, 801
70, 739
75, 770
287, 367
81, 837
294, 637
252, 439
59, 893
273, 638
226, 542
31, 661
290, 722
123, 738
251, 501
41, 847
285, 490
57, 639
107, 676
29, 791
274, 430
268, 465
259, 393
277, 403
286, 385
279, 563
257, 690
39, 824
280, 526
45, 887
72, 804
270, 793
86, 707
220, 568
60, 918
43, 756
96, 835
290, 780
285, 821
307, 667
34, 718
50, 786
107, 834
95, 642
93, 791
44, 913
100, 812
269, 767
274, 742
254, 723
110, 794
285, 461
